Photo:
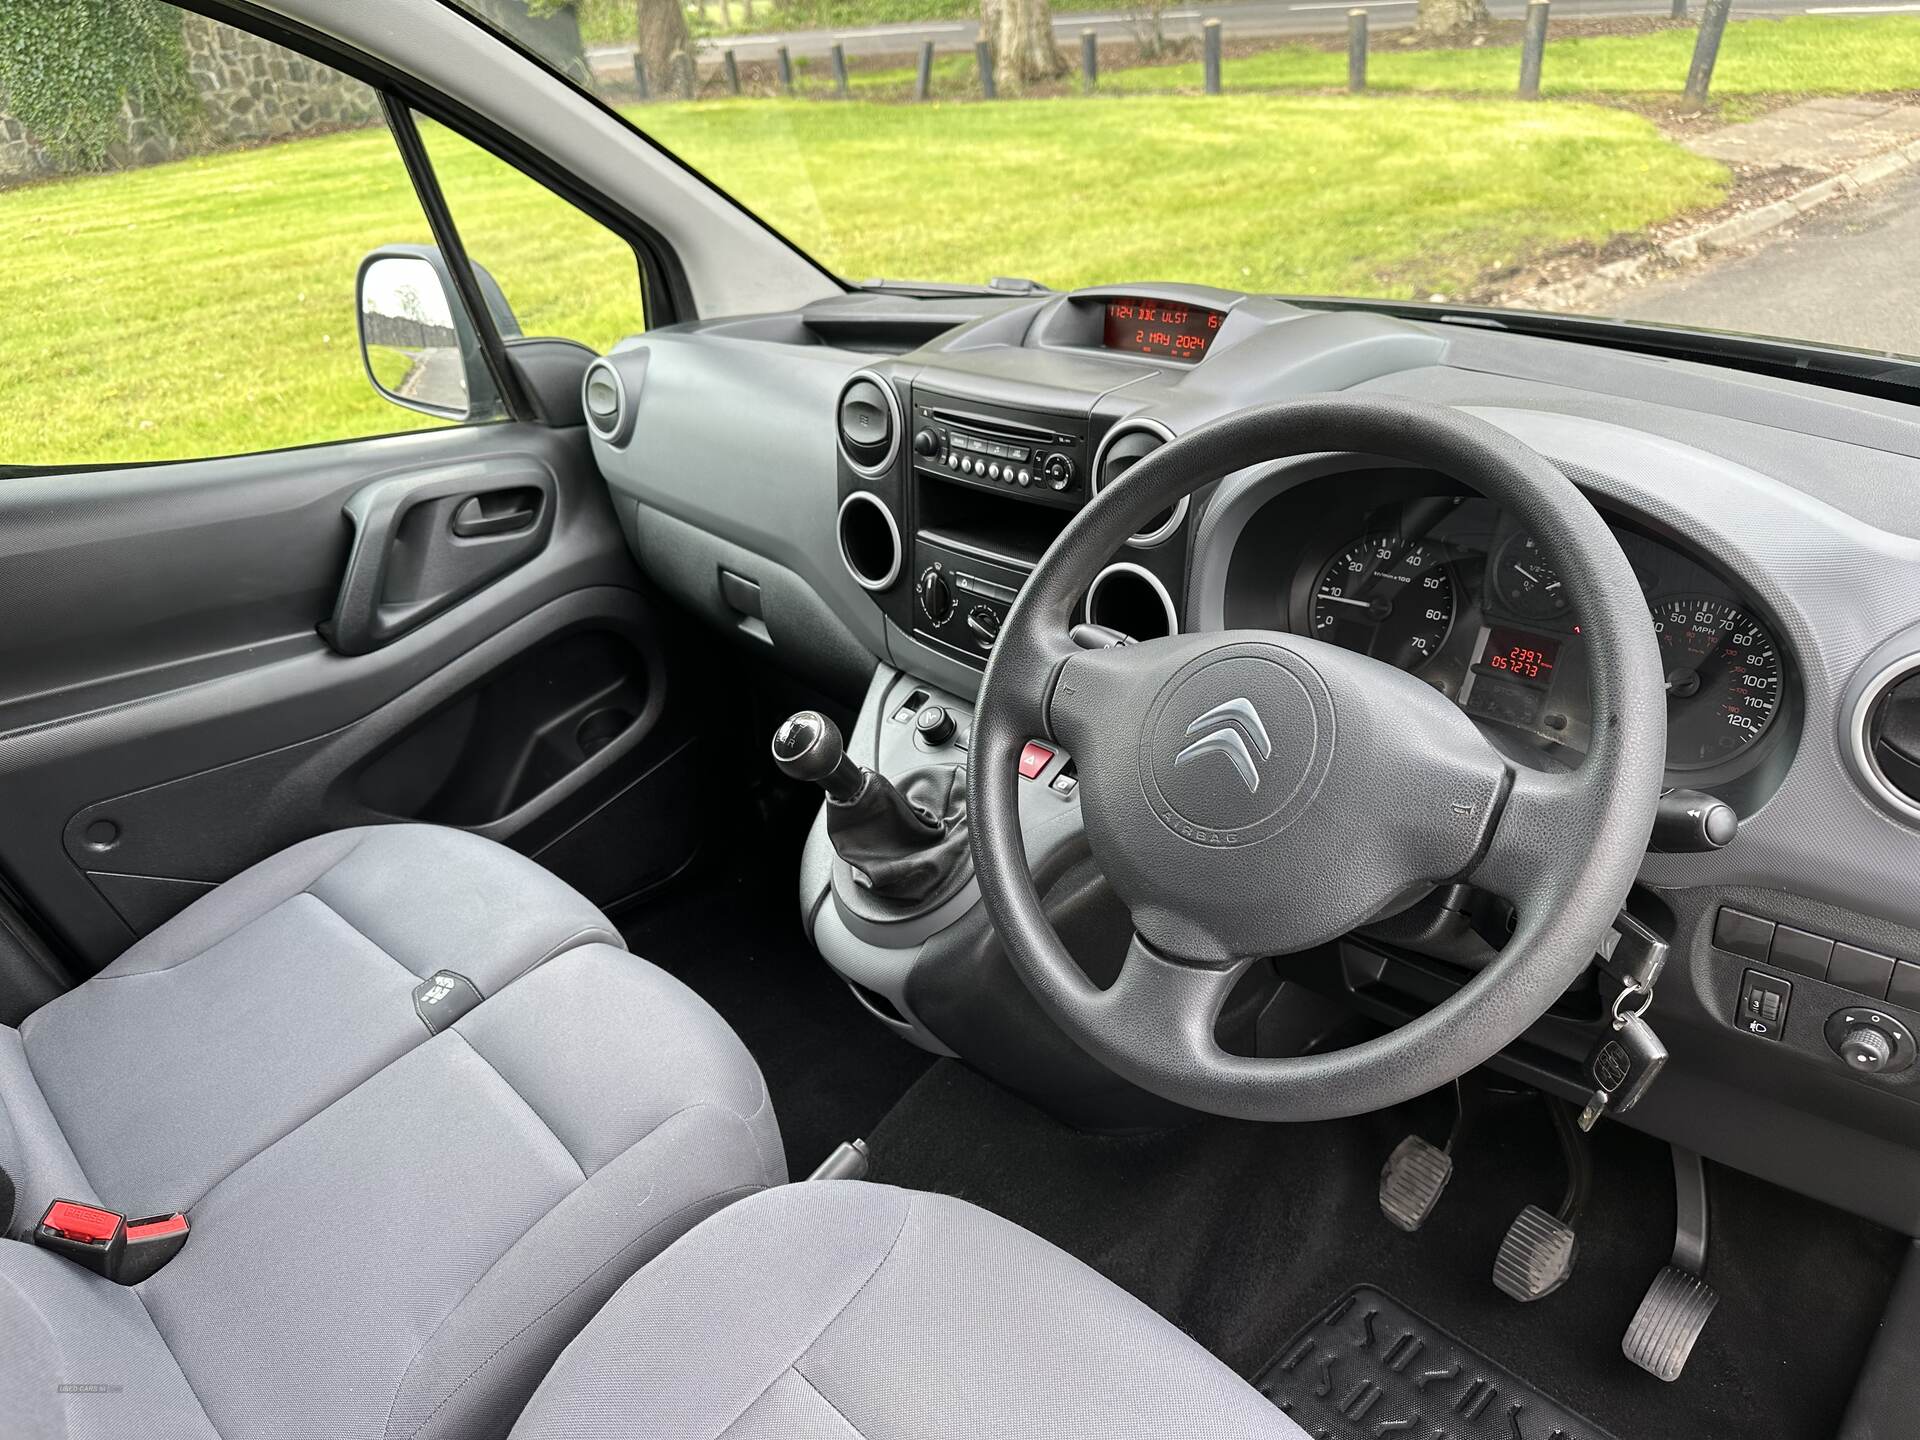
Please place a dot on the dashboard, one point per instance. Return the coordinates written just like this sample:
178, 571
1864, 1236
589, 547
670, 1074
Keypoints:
1413, 569
869, 480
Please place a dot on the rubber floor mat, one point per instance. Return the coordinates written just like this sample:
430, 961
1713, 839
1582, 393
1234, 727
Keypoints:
1369, 1368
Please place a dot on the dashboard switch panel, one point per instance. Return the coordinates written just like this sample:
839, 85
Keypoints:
1861, 971
1801, 951
1764, 1000
1739, 933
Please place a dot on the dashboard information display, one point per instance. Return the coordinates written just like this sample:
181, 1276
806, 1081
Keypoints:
1152, 327
1521, 656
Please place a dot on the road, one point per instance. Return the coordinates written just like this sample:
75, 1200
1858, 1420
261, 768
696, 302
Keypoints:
1242, 19
1845, 275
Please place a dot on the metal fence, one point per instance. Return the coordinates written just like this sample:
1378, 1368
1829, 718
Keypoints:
726, 78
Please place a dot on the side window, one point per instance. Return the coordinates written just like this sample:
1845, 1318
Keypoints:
561, 271
183, 210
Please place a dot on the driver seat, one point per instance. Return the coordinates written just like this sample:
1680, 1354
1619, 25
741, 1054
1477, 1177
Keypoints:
845, 1311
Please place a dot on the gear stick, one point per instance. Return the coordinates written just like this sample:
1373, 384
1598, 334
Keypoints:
906, 844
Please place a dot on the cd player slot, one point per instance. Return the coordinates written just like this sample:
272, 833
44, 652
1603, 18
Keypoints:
992, 425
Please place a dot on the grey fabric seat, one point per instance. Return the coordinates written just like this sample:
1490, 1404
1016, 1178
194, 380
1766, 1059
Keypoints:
393, 1232
838, 1310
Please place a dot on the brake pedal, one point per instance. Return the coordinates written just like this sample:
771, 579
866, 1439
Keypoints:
1536, 1256
1679, 1302
1538, 1252
1411, 1181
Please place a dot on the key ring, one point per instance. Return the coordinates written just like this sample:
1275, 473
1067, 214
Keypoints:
1627, 991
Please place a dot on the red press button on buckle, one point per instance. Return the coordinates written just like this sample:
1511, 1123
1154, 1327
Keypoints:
1035, 758
158, 1226
85, 1223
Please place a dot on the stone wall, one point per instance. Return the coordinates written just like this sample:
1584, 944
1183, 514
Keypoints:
250, 90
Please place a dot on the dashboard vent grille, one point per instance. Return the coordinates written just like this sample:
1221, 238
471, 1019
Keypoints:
1889, 720
1126, 445
607, 399
869, 423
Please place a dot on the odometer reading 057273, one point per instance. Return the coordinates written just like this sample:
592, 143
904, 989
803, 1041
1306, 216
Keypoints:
1386, 597
1723, 679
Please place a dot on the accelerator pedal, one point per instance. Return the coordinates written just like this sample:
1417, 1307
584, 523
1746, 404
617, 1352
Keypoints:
1668, 1322
1679, 1301
1411, 1181
1536, 1256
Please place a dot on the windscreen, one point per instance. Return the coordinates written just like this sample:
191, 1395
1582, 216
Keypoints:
1749, 170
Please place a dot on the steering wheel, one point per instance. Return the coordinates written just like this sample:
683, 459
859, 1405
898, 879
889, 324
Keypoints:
1252, 794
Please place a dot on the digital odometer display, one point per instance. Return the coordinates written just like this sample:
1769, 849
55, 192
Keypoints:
1153, 327
1521, 656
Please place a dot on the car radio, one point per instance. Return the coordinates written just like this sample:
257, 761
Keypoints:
1024, 454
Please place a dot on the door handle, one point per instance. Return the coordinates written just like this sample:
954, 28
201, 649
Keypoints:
424, 540
498, 512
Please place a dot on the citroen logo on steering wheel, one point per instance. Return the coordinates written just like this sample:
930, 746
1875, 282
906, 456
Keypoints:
1228, 727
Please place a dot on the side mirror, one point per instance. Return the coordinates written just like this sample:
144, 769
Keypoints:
421, 350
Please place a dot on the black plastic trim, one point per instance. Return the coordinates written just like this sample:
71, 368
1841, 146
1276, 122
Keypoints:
426, 185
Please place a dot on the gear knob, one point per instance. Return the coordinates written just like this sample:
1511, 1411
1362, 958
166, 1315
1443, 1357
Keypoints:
808, 747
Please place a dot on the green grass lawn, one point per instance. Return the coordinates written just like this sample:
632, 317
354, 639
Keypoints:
1803, 54
1313, 194
205, 306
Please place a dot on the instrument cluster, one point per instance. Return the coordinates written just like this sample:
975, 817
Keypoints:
1452, 589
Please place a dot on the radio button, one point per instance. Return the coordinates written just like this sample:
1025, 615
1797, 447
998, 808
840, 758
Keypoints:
1026, 477
993, 472
1058, 471
953, 462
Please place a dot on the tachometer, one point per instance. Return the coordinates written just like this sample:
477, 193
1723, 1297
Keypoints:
1386, 597
1723, 679
1525, 583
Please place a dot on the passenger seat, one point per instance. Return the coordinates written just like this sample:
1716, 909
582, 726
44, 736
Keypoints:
401, 1209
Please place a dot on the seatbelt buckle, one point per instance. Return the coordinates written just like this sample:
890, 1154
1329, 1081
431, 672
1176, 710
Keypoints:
108, 1243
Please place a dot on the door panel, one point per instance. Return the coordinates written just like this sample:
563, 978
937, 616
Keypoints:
170, 711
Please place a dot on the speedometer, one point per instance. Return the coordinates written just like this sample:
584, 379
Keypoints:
1723, 679
1386, 597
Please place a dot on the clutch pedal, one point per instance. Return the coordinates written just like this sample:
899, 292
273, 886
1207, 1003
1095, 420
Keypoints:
1418, 1171
1411, 1181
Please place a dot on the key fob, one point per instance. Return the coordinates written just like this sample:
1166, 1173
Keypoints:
1622, 1067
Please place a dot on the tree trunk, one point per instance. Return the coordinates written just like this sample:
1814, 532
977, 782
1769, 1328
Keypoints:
1451, 19
661, 39
1021, 33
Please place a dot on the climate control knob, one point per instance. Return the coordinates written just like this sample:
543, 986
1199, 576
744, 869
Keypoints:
1058, 471
984, 622
936, 596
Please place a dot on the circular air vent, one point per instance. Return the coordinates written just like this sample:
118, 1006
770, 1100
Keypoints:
1130, 598
1126, 445
603, 395
869, 423
1886, 736
869, 540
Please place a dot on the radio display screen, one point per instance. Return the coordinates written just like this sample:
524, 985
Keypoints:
1154, 327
